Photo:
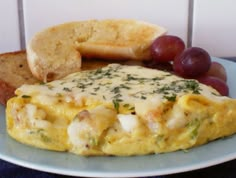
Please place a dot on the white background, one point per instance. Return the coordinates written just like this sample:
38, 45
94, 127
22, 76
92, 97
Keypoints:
209, 24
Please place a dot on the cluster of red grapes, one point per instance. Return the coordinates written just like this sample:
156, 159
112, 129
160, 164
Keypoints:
169, 53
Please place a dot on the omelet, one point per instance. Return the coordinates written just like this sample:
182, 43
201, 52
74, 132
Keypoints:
119, 110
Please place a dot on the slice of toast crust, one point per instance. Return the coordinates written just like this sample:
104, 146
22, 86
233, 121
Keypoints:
6, 92
14, 72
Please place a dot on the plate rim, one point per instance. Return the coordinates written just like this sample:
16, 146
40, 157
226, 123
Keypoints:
50, 169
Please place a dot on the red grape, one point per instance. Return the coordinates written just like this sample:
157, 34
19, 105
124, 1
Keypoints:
165, 48
192, 62
217, 70
215, 83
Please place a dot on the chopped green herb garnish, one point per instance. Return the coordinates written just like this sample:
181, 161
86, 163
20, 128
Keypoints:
126, 105
26, 96
132, 108
67, 89
45, 138
96, 89
194, 126
143, 97
124, 86
98, 71
117, 96
192, 85
116, 90
116, 105
171, 97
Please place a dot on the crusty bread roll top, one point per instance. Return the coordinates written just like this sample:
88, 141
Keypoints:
56, 51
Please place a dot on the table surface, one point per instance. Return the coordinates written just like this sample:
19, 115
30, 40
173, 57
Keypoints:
224, 170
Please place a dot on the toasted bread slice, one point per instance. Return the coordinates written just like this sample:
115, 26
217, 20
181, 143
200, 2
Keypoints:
56, 51
14, 72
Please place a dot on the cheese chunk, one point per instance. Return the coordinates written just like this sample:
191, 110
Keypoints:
119, 110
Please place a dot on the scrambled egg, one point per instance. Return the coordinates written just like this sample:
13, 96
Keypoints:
119, 110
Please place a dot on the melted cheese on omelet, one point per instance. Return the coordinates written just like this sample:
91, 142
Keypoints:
119, 110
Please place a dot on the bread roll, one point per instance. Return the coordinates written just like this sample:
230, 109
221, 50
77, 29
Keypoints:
57, 51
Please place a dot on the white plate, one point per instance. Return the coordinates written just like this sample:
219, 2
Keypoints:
213, 153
